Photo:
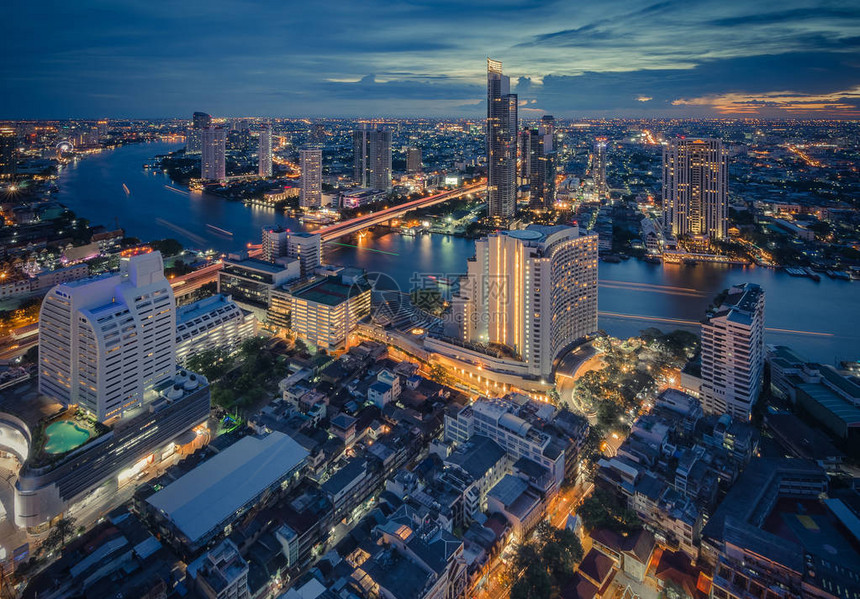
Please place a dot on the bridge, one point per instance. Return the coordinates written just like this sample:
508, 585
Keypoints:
358, 223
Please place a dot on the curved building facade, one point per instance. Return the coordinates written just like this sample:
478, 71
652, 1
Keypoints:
532, 292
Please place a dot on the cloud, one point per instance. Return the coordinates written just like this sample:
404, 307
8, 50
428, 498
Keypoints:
644, 98
845, 103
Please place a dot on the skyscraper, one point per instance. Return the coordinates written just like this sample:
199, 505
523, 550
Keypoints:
733, 353
311, 165
540, 158
372, 158
213, 155
104, 341
598, 168
533, 291
501, 143
413, 160
8, 157
194, 141
264, 152
695, 188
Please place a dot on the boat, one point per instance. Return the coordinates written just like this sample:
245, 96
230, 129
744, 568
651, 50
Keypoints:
611, 258
127, 190
811, 274
839, 274
690, 262
652, 260
220, 230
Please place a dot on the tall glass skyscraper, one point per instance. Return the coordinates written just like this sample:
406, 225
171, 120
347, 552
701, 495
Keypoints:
264, 152
501, 143
372, 165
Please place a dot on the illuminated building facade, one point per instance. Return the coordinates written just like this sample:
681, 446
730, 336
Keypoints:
264, 152
311, 164
598, 168
194, 140
324, 311
372, 158
213, 166
533, 291
695, 188
293, 245
501, 143
104, 341
733, 353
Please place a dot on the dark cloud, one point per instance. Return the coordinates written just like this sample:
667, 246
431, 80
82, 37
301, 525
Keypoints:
269, 57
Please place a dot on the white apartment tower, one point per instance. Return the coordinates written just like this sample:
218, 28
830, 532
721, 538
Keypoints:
733, 353
695, 188
533, 291
311, 164
104, 341
264, 152
213, 154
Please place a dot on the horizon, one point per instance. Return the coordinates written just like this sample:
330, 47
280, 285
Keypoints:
425, 59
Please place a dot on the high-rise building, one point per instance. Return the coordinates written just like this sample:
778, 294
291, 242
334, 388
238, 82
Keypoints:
194, 141
264, 152
311, 165
501, 143
540, 163
533, 291
695, 188
598, 168
214, 154
326, 310
104, 341
372, 158
733, 353
8, 154
413, 160
293, 245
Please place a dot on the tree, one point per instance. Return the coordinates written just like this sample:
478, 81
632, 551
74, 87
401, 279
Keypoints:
168, 247
603, 510
56, 540
542, 566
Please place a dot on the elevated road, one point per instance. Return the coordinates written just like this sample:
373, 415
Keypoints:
358, 223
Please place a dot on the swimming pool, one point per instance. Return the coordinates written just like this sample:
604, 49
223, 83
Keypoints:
65, 436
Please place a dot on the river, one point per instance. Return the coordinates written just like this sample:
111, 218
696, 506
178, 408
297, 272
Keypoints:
821, 320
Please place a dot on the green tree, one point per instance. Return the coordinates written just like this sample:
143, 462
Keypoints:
603, 510
60, 534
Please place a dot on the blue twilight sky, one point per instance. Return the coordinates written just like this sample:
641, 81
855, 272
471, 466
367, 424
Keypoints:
155, 58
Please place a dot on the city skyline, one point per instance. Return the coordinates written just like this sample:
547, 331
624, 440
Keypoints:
774, 59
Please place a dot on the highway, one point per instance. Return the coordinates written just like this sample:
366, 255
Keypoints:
358, 223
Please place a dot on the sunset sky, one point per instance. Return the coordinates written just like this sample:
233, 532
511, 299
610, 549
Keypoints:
139, 58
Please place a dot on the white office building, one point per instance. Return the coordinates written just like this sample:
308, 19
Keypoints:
695, 188
293, 245
311, 165
533, 291
733, 353
210, 323
213, 165
264, 152
103, 341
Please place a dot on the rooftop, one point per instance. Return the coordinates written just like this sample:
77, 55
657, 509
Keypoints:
219, 487
330, 291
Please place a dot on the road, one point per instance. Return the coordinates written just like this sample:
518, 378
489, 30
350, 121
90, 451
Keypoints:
564, 504
358, 223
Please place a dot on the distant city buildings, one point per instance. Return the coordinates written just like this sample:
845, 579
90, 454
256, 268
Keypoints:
413, 160
104, 341
194, 136
213, 165
695, 188
372, 158
533, 291
311, 167
501, 143
733, 353
264, 152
